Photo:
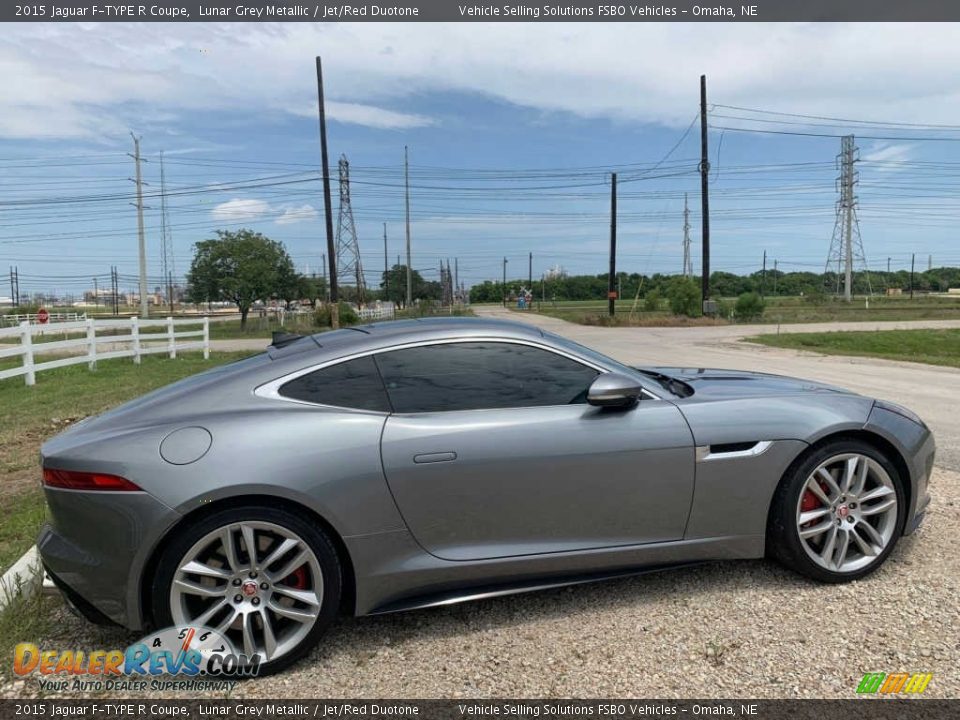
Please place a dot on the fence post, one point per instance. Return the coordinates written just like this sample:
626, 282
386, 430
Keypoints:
171, 340
206, 338
26, 340
92, 344
135, 338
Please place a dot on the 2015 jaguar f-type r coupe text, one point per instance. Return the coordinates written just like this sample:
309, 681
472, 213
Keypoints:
405, 464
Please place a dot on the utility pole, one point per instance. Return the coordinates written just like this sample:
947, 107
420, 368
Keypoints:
612, 275
170, 289
166, 238
348, 246
14, 286
846, 245
763, 275
687, 260
504, 282
774, 278
530, 273
913, 258
96, 293
386, 269
704, 193
888, 265
456, 277
115, 290
144, 308
328, 206
406, 186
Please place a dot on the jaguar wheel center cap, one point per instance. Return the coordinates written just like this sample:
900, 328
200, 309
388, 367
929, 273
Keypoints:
843, 511
249, 588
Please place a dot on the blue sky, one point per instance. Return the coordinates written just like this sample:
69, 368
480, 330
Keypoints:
512, 129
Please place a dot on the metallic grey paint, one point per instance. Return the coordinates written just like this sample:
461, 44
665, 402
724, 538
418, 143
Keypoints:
435, 505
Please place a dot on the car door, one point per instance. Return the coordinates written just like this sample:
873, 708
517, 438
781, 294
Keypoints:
492, 451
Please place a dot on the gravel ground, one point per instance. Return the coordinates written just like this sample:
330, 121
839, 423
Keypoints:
736, 629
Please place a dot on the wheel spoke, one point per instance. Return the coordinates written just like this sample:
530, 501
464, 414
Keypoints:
192, 588
865, 547
811, 515
301, 616
878, 492
849, 473
249, 645
210, 612
843, 543
299, 559
282, 549
269, 639
230, 548
826, 554
307, 597
872, 535
827, 478
880, 507
814, 487
812, 532
251, 544
195, 567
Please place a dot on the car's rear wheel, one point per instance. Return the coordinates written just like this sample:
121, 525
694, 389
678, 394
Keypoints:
265, 578
838, 513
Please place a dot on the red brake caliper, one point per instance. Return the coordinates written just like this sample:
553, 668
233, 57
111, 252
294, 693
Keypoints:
297, 579
809, 501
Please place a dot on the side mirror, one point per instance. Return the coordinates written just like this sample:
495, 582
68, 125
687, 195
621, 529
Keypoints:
614, 390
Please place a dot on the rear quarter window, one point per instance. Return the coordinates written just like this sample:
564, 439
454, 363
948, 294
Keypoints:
352, 384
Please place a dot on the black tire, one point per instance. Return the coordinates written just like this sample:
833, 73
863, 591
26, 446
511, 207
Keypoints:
313, 536
783, 535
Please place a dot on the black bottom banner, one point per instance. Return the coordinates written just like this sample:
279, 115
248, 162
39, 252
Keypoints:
857, 709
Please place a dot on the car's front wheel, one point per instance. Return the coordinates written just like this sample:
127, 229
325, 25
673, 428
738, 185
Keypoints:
265, 578
837, 514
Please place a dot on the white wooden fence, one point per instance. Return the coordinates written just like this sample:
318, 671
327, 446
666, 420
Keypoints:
386, 311
125, 340
13, 320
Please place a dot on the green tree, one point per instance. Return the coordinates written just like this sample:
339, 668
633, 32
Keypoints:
684, 297
749, 306
396, 289
240, 267
651, 301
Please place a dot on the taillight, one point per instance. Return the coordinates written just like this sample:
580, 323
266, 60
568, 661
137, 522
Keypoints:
73, 480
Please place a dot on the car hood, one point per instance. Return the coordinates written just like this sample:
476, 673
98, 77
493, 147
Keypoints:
709, 384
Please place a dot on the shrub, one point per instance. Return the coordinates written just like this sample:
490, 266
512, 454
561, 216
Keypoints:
651, 301
750, 306
684, 298
348, 316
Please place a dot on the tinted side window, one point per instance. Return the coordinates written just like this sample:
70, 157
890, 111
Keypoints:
474, 376
352, 384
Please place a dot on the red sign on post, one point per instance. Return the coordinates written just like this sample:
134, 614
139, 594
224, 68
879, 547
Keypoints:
42, 316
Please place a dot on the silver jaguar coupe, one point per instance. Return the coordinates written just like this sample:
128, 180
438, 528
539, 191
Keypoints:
423, 462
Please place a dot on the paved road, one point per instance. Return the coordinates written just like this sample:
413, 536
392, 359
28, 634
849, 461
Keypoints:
931, 391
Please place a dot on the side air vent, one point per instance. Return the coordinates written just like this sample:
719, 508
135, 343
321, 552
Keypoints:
731, 451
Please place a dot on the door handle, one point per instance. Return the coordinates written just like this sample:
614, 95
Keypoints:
434, 457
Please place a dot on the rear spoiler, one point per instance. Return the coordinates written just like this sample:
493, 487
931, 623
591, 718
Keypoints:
282, 338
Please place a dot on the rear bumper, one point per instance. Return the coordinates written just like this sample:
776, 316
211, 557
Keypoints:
96, 546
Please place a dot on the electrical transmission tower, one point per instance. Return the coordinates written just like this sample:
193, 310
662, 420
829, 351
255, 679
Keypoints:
166, 238
687, 261
846, 245
348, 249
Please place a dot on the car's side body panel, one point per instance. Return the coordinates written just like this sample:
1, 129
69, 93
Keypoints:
524, 481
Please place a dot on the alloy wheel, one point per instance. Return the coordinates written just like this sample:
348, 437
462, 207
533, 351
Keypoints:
258, 583
847, 512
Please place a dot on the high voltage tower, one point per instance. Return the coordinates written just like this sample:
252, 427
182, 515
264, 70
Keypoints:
166, 238
687, 260
348, 249
846, 245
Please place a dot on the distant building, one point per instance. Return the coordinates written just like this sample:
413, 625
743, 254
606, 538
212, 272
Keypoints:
891, 292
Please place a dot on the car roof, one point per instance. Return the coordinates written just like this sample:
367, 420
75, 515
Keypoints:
359, 338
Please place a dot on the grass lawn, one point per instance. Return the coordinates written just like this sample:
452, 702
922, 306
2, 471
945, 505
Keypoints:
934, 347
61, 397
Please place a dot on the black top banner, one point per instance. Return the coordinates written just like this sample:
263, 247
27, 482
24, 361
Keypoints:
464, 11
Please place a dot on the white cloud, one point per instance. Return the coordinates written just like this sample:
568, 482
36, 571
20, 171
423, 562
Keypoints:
294, 214
90, 80
240, 209
883, 152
